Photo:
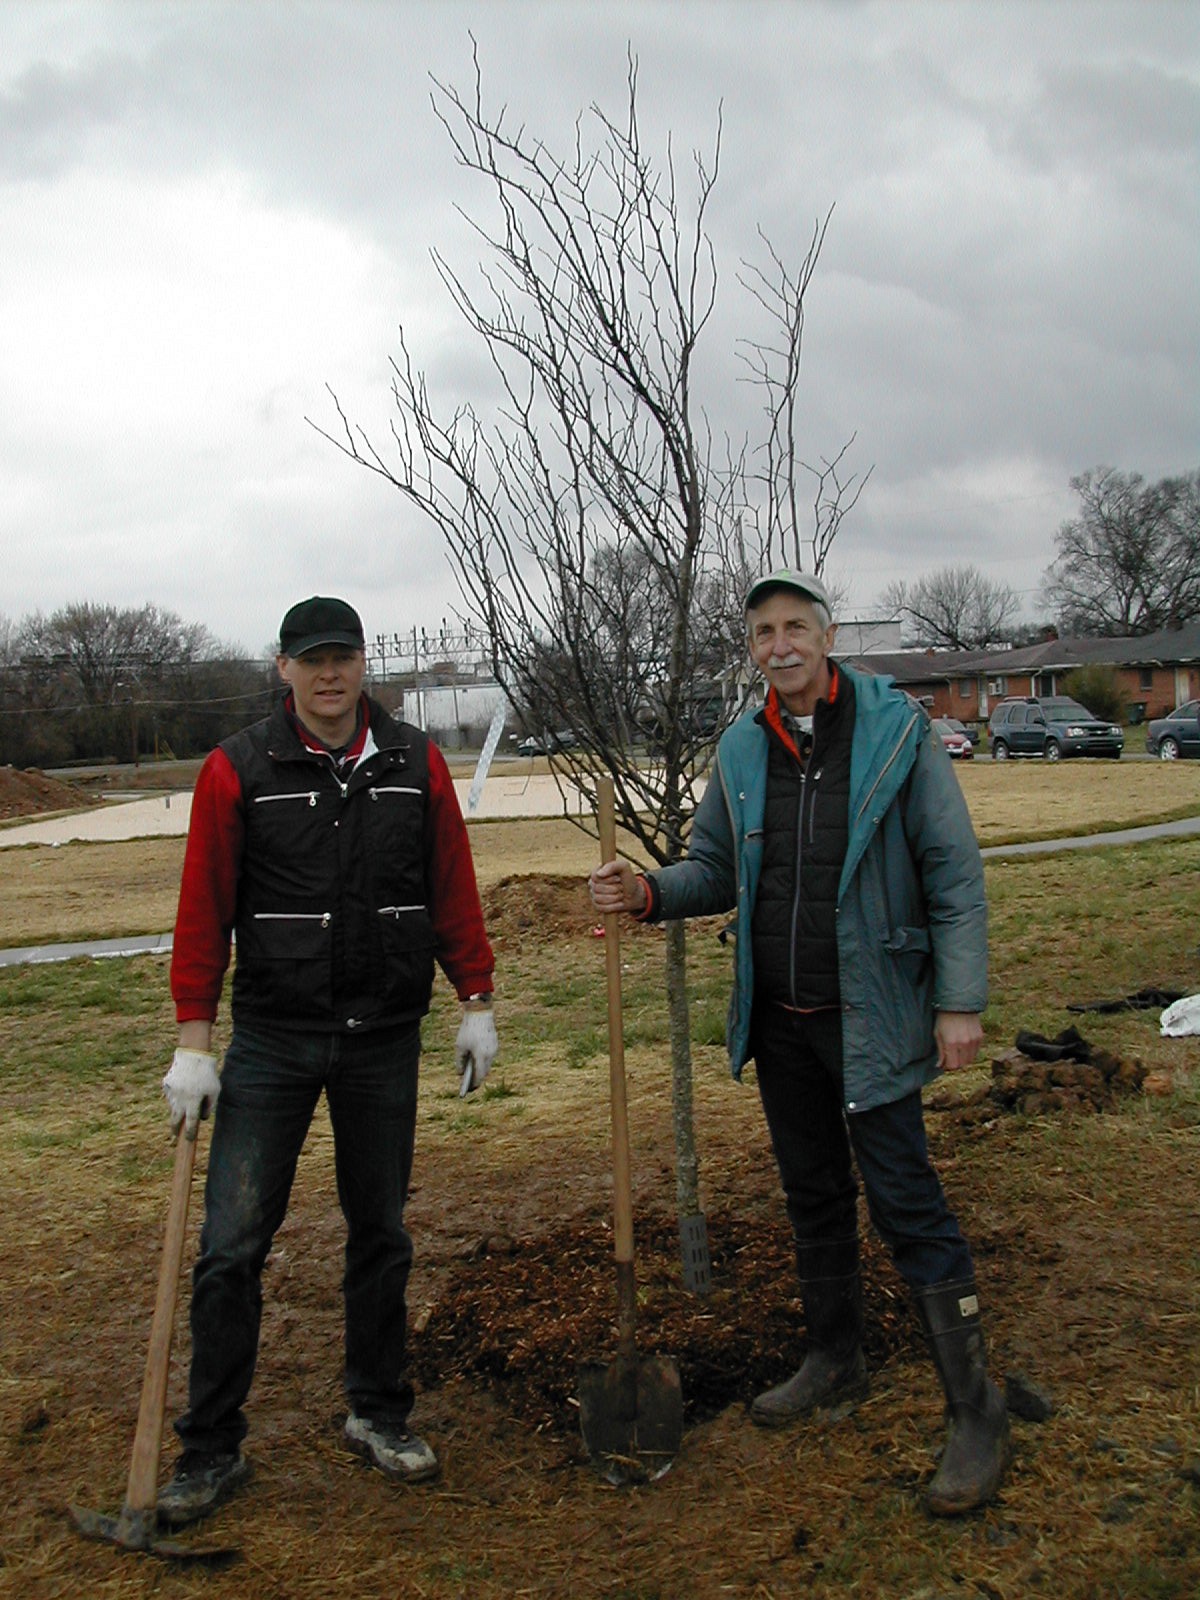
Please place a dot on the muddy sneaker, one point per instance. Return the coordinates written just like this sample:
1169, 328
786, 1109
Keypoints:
202, 1481
392, 1449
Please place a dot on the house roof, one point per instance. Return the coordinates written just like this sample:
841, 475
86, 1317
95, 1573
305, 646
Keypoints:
906, 666
1168, 647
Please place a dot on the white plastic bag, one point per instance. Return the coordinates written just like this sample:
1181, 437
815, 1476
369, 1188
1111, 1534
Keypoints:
1182, 1017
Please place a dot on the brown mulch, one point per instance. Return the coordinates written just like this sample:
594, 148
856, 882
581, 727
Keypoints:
29, 792
523, 1314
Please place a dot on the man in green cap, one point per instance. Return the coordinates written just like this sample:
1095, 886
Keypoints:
834, 824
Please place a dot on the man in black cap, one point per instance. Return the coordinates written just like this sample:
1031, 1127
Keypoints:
835, 825
329, 841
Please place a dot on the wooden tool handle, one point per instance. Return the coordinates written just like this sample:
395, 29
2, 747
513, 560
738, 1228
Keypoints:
622, 1190
142, 1492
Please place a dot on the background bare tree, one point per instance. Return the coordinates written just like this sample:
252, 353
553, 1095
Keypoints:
591, 527
1129, 563
105, 682
954, 608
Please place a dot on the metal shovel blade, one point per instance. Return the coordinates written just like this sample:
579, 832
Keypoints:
138, 1530
631, 1416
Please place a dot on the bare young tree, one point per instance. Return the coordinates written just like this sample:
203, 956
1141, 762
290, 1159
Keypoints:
788, 538
591, 527
1129, 563
954, 608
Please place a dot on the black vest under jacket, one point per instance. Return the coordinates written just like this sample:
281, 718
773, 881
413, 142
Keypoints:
333, 927
805, 834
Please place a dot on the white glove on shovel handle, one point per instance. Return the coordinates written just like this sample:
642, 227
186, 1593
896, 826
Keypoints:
475, 1048
191, 1086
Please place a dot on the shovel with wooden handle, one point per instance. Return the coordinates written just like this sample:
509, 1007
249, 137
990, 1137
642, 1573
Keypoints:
630, 1408
137, 1526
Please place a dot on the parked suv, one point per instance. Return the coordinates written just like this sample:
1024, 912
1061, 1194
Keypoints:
1053, 727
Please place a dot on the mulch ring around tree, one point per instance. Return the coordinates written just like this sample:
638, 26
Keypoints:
521, 1315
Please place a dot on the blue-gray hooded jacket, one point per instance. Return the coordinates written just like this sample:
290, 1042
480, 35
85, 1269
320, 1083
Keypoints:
911, 914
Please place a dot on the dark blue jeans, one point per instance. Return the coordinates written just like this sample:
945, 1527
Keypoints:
798, 1060
270, 1085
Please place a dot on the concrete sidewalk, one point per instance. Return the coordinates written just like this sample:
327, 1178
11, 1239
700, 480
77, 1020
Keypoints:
1184, 828
135, 945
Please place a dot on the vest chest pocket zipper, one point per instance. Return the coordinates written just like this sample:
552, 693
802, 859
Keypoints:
379, 792
309, 796
322, 917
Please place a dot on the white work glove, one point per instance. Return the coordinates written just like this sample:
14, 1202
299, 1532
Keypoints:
191, 1087
476, 1045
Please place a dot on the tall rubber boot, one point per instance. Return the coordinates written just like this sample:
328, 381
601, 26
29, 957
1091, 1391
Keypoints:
976, 1452
834, 1369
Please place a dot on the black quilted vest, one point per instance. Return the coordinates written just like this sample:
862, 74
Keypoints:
805, 834
333, 929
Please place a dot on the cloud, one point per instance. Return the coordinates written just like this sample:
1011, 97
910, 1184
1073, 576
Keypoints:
210, 211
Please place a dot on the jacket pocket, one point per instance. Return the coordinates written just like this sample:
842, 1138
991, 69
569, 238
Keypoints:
406, 927
911, 969
906, 941
306, 797
407, 943
283, 962
289, 935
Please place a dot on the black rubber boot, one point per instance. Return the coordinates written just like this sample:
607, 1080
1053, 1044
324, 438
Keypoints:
834, 1370
976, 1452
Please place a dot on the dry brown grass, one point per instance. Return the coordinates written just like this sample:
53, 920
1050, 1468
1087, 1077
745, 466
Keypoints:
1085, 1231
106, 890
1029, 800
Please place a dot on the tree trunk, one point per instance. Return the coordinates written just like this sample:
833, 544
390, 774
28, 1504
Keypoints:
693, 1232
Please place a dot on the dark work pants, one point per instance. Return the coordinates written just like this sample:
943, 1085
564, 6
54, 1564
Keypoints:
270, 1085
798, 1060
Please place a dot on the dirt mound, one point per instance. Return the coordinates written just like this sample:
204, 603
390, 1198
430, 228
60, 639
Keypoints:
25, 794
546, 904
1096, 1081
552, 905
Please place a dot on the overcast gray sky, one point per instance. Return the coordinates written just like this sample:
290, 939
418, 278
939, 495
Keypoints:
210, 211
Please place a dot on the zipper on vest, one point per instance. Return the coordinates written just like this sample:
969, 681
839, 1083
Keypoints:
393, 788
796, 886
398, 911
309, 796
808, 796
323, 917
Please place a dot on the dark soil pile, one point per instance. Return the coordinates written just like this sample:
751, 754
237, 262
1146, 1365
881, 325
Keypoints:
1023, 1084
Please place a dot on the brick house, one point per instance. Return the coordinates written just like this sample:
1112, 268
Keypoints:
1157, 672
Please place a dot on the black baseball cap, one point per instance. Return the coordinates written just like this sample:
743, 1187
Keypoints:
320, 620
